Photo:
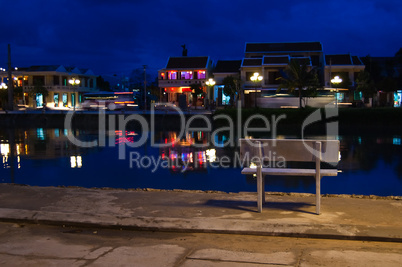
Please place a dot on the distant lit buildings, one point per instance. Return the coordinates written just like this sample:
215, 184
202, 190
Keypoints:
180, 73
347, 67
54, 79
270, 60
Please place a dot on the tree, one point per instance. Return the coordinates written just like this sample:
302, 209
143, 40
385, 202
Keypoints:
39, 89
232, 87
102, 84
398, 63
365, 84
196, 89
299, 77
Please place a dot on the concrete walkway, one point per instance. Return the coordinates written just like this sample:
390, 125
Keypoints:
342, 217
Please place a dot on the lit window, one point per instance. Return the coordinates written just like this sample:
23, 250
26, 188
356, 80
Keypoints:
172, 75
186, 75
201, 74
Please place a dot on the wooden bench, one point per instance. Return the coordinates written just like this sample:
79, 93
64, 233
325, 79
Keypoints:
259, 152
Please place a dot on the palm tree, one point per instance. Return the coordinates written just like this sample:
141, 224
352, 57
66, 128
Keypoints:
365, 84
232, 87
298, 76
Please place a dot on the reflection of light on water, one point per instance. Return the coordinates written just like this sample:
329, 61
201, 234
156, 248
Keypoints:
396, 140
211, 154
201, 158
40, 133
76, 161
5, 150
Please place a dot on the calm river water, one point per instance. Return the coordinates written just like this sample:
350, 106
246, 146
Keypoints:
370, 165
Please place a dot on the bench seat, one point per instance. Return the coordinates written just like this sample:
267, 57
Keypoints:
290, 172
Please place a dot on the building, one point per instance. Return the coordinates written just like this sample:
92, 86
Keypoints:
223, 69
180, 73
347, 67
55, 79
270, 60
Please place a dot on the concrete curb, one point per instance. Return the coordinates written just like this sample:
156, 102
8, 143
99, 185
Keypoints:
204, 225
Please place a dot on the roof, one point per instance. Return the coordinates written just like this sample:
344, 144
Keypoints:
187, 63
302, 60
227, 66
276, 60
283, 47
356, 60
249, 62
41, 68
343, 59
56, 68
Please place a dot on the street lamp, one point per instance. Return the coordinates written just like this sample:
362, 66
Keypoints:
256, 78
73, 81
210, 83
3, 86
336, 80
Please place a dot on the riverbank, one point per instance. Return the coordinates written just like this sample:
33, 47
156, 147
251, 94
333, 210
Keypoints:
350, 120
289, 121
206, 212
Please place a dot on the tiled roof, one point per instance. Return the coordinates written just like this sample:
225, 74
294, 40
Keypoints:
187, 63
283, 47
345, 59
227, 66
56, 68
356, 60
302, 60
276, 60
249, 62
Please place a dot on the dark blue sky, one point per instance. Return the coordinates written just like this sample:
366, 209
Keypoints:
115, 37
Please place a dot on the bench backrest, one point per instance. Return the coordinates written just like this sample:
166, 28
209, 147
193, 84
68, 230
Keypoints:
300, 150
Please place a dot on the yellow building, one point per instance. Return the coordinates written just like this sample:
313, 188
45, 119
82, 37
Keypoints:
56, 80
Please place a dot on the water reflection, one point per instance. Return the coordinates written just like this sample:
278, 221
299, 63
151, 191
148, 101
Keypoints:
370, 164
190, 153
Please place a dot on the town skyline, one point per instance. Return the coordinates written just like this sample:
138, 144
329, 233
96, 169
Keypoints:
116, 38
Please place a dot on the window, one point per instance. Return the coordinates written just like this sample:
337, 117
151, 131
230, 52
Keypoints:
186, 75
201, 74
172, 75
56, 99
65, 100
162, 75
73, 99
39, 100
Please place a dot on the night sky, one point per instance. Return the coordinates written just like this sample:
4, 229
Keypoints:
115, 37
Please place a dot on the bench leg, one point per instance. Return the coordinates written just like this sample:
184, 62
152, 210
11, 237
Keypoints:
260, 189
317, 194
263, 188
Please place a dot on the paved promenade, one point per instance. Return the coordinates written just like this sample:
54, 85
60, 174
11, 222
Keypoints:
196, 213
192, 211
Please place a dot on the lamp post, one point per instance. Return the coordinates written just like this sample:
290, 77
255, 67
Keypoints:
256, 78
210, 83
73, 81
336, 80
